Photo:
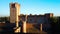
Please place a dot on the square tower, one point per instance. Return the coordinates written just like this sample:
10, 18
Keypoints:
14, 12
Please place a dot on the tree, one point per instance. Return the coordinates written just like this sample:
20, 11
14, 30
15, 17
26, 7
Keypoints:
54, 25
53, 20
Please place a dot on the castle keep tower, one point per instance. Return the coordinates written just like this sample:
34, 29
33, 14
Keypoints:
14, 12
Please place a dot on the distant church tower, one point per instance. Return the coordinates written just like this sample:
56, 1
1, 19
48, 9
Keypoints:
14, 12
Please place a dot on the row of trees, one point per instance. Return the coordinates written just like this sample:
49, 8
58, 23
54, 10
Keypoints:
3, 19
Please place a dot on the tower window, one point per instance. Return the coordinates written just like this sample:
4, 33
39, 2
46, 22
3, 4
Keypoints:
13, 5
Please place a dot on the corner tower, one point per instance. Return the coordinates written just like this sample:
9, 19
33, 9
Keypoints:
14, 12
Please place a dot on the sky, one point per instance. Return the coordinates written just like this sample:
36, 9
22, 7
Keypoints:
31, 7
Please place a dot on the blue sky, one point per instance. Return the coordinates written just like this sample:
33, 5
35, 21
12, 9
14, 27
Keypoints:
32, 7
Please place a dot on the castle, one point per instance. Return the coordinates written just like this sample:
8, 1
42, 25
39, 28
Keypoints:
16, 17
